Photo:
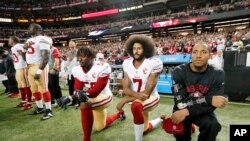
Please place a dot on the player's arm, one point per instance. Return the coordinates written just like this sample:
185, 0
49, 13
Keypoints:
128, 91
215, 94
44, 62
126, 86
98, 87
151, 83
56, 65
179, 113
44, 46
45, 59
153, 77
178, 88
21, 51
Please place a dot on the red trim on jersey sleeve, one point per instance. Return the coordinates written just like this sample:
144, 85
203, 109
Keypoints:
56, 53
98, 87
78, 85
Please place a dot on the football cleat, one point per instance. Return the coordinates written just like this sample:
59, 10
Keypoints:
47, 114
27, 106
37, 111
21, 104
14, 95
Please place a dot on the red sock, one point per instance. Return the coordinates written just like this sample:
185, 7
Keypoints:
137, 109
23, 94
111, 118
87, 123
47, 96
38, 96
150, 127
29, 94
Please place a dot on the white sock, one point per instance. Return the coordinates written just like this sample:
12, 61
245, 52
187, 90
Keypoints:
39, 104
48, 105
156, 122
139, 128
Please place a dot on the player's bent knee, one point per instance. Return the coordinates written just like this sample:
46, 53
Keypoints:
216, 126
136, 107
212, 125
84, 106
137, 110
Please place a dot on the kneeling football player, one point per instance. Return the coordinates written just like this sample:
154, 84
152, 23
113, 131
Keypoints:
92, 92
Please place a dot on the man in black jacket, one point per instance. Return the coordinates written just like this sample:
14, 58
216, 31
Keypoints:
10, 72
5, 82
198, 90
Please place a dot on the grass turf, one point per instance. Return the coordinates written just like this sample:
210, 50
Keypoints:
17, 125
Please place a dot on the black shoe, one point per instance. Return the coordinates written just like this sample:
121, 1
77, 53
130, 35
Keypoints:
122, 115
47, 114
37, 111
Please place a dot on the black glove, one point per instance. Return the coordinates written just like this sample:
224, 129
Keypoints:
63, 101
81, 96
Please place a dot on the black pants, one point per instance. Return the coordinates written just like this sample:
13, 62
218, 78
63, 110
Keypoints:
209, 128
71, 84
5, 83
54, 87
12, 84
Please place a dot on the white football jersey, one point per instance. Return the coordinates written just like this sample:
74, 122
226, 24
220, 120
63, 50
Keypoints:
33, 54
89, 79
19, 62
139, 76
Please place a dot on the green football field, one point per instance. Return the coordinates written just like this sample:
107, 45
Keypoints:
17, 125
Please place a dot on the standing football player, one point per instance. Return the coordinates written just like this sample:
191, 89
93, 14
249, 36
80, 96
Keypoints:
140, 78
21, 72
37, 57
92, 92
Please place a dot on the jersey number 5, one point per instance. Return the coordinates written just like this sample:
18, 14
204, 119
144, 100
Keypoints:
89, 84
30, 50
139, 81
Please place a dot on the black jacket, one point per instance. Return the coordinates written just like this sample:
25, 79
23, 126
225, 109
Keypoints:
9, 66
192, 85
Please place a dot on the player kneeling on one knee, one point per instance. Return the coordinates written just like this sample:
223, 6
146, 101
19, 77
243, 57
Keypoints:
198, 90
141, 75
92, 92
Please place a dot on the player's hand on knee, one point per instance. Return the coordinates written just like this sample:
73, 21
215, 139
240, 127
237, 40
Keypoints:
81, 96
63, 101
219, 101
142, 96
